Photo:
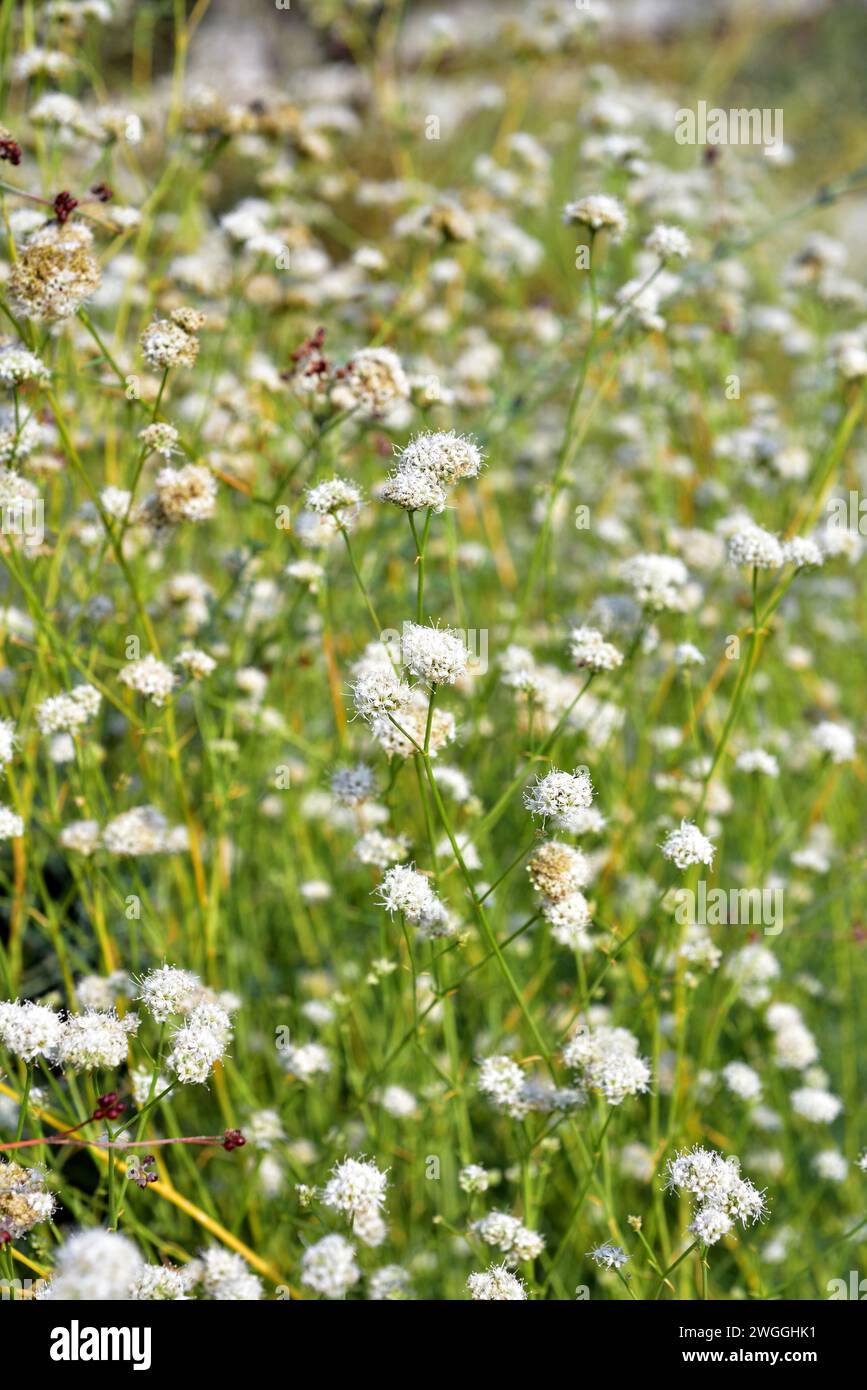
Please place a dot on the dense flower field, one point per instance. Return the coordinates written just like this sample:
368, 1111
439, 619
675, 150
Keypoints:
431, 656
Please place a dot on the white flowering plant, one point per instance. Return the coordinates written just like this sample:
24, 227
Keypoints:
431, 717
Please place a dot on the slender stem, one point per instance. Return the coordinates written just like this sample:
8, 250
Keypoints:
673, 1267
420, 545
23, 1103
377, 626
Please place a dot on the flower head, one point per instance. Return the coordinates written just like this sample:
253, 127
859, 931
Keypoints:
608, 1256
329, 1267
607, 1062
588, 649
168, 990
720, 1194
658, 581
496, 1284
687, 845
558, 796
598, 212
751, 545
356, 1186
668, 243
30, 1030
199, 1043
172, 342
54, 273
149, 677
435, 655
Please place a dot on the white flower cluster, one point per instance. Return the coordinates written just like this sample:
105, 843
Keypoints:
753, 546
82, 1041
386, 702
757, 760
608, 1256
686, 655
835, 741
352, 785
329, 1267
220, 1275
687, 845
509, 1235
752, 969
336, 498
389, 1283
160, 437
659, 582
802, 551
434, 655
589, 650
607, 1063
29, 1030
559, 872
742, 1080
200, 1042
198, 664
559, 797
413, 720
720, 1194
816, 1104
668, 242
428, 466
356, 1188
98, 1266
186, 494
380, 851
514, 1093
142, 831
405, 890
378, 691
55, 272
95, 1039
698, 949
831, 1165
496, 1284
598, 212
168, 990
24, 1201
306, 1060
94, 1266
794, 1044
17, 365
11, 824
474, 1178
503, 1082
149, 677
172, 342
67, 713
373, 383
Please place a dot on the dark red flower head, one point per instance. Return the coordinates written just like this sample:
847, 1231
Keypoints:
108, 1107
64, 206
10, 150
